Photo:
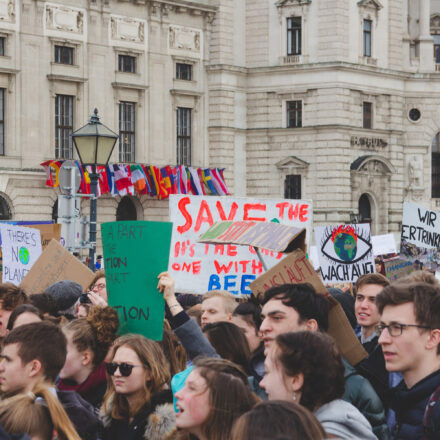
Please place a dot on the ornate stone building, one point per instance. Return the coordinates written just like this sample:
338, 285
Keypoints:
333, 101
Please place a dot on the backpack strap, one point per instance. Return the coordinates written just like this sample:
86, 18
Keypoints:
431, 426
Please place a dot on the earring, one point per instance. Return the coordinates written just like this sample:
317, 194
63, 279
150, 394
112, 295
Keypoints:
294, 396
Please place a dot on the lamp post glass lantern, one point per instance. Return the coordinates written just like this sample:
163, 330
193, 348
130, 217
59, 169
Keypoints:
94, 144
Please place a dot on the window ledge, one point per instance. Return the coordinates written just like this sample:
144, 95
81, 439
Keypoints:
369, 61
53, 77
124, 85
291, 59
54, 63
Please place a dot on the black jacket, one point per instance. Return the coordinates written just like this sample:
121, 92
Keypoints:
410, 405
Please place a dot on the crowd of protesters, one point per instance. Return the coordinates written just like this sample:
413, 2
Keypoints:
226, 368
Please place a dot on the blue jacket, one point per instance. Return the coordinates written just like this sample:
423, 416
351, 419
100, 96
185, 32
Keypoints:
410, 405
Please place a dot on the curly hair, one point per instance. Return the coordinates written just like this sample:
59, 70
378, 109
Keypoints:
315, 356
11, 296
96, 332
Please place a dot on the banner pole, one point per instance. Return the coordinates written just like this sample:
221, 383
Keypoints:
260, 257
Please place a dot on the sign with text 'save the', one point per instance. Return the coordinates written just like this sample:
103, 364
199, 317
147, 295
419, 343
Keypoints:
200, 267
345, 252
21, 248
135, 252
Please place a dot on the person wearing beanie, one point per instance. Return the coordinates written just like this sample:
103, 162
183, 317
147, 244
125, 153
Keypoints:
65, 293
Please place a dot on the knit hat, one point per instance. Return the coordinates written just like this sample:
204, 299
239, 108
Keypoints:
65, 293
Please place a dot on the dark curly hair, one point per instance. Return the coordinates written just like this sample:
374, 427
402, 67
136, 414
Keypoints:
11, 296
96, 332
316, 356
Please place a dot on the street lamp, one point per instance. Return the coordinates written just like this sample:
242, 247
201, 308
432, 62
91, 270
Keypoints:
94, 144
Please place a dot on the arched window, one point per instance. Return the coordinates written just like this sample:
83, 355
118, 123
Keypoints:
5, 210
126, 210
435, 167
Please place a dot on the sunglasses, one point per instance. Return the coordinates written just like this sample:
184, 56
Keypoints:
124, 369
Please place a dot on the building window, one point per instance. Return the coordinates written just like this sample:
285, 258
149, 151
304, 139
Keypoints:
294, 36
367, 38
184, 71
294, 114
64, 55
2, 46
436, 48
126, 210
183, 136
367, 111
435, 167
127, 63
292, 186
5, 210
126, 131
63, 126
2, 122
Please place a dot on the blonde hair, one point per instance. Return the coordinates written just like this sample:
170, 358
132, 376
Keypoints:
152, 357
228, 299
36, 413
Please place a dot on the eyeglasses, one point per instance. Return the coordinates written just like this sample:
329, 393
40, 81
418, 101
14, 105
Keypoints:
124, 368
397, 329
99, 286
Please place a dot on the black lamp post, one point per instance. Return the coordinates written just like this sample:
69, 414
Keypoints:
94, 143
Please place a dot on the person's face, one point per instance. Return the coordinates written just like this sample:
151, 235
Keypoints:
26, 318
213, 310
365, 305
274, 382
100, 288
4, 318
135, 382
193, 403
249, 331
406, 353
14, 375
277, 319
74, 367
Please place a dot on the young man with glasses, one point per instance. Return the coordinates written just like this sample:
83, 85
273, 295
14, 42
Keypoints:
409, 330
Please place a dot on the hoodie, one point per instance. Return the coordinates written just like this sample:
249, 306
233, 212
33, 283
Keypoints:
343, 420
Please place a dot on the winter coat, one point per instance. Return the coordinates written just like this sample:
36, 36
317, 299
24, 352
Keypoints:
410, 405
360, 393
155, 421
343, 420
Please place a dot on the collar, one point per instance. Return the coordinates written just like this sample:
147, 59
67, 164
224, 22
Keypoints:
96, 378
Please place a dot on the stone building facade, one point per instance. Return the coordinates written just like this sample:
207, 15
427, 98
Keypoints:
332, 101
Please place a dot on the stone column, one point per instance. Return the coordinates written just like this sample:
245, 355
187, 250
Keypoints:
405, 36
426, 48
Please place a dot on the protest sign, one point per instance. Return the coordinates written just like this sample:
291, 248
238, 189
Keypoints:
199, 267
55, 264
135, 252
295, 268
345, 252
383, 244
271, 236
397, 268
420, 238
21, 248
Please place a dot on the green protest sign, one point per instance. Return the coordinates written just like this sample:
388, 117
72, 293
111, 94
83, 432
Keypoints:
135, 252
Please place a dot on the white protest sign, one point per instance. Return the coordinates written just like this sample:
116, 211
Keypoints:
199, 267
383, 244
345, 252
420, 238
21, 247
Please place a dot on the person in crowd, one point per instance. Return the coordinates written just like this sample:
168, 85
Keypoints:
44, 303
420, 276
229, 342
409, 330
88, 341
217, 305
306, 367
278, 419
215, 394
368, 286
138, 404
35, 353
247, 316
173, 350
347, 303
37, 413
65, 294
24, 314
297, 307
98, 263
97, 290
11, 296
195, 312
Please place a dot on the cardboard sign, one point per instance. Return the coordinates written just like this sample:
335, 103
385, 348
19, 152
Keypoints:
345, 252
271, 236
395, 269
21, 248
383, 244
55, 264
199, 267
294, 269
420, 238
48, 232
135, 252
